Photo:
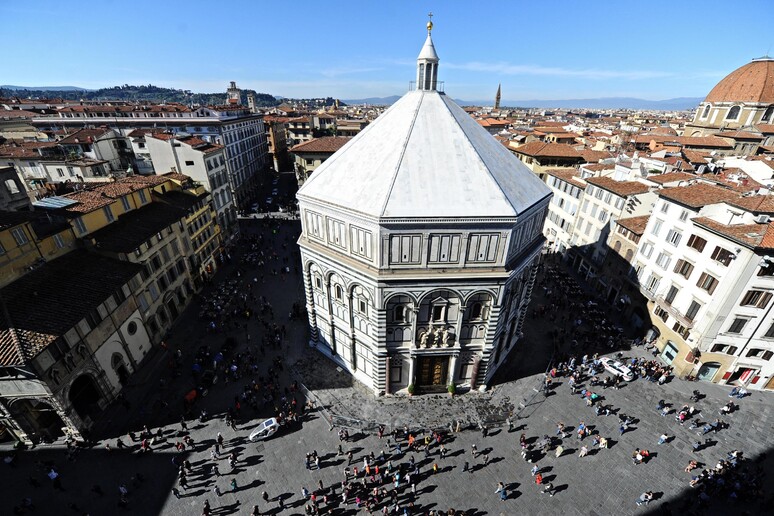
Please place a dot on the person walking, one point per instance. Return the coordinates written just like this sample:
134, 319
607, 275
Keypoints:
583, 451
539, 478
645, 498
664, 437
559, 451
233, 485
548, 489
217, 491
176, 492
501, 490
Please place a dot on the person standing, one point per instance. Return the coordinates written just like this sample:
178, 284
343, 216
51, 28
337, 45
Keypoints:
233, 485
539, 478
583, 451
663, 438
501, 490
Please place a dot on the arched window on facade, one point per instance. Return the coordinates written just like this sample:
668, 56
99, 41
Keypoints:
400, 313
617, 246
733, 113
768, 115
706, 111
475, 311
338, 292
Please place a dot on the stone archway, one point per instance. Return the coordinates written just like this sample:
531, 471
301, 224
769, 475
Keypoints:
37, 417
84, 396
120, 368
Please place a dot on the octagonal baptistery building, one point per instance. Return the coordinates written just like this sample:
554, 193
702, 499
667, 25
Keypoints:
420, 241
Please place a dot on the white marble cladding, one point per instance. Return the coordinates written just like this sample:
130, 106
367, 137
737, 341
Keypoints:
411, 244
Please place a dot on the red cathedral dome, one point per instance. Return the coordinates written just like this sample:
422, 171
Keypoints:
753, 82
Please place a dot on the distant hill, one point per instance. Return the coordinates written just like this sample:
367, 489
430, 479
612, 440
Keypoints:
130, 93
676, 104
42, 88
378, 101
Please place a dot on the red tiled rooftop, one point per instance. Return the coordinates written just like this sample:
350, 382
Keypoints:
560, 150
620, 188
751, 235
567, 175
325, 144
634, 224
671, 177
698, 195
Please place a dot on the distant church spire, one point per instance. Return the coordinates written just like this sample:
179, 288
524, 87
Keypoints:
427, 62
497, 98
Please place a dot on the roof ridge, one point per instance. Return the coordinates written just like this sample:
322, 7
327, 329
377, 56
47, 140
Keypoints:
480, 158
402, 153
12, 331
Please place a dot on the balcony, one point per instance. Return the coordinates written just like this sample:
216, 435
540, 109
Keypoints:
674, 312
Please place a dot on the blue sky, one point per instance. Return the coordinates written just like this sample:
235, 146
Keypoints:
354, 49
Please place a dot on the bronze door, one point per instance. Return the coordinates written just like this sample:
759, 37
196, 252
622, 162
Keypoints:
433, 372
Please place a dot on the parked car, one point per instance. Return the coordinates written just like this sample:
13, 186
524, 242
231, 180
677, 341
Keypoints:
617, 368
265, 430
254, 207
269, 200
275, 191
275, 181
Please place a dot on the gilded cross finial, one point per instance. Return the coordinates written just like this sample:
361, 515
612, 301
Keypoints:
429, 22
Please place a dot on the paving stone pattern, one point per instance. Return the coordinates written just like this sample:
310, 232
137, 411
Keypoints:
605, 482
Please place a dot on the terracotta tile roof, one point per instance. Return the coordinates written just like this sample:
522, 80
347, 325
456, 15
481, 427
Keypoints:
658, 138
696, 156
703, 142
537, 149
671, 177
107, 109
698, 195
326, 144
740, 135
201, 145
598, 167
768, 238
84, 136
567, 175
750, 235
42, 224
765, 128
177, 176
594, 156
757, 204
663, 130
46, 302
735, 179
753, 82
17, 113
103, 194
634, 224
137, 226
620, 188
